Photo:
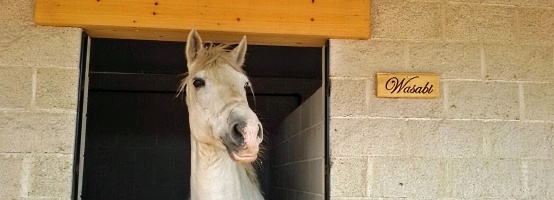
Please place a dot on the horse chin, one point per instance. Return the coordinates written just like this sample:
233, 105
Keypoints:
245, 158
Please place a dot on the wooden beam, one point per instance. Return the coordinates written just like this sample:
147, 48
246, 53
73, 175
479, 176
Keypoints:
277, 22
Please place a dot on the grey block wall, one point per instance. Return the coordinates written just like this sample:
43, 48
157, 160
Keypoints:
38, 97
297, 153
489, 135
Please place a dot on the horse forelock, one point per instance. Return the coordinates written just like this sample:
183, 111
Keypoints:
215, 55
210, 57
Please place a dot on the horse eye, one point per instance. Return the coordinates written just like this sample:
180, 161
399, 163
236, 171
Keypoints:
247, 84
198, 83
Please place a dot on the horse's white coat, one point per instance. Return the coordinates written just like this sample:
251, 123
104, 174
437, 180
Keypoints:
218, 171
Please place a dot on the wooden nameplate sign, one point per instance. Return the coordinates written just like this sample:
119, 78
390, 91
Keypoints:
407, 85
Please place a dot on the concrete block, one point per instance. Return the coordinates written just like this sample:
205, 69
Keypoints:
282, 153
294, 122
537, 24
51, 175
406, 20
518, 62
367, 137
480, 22
39, 46
521, 140
57, 88
467, 179
278, 193
19, 11
299, 143
525, 3
405, 177
313, 111
10, 175
538, 101
482, 100
541, 179
307, 113
466, 1
436, 1
477, 179
296, 171
290, 150
315, 142
504, 179
450, 60
282, 156
300, 149
288, 177
363, 58
37, 132
310, 147
503, 2
308, 196
301, 176
348, 177
291, 194
348, 97
318, 107
445, 138
538, 3
316, 184
15, 87
404, 107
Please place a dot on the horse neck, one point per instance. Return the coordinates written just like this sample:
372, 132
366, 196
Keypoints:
214, 175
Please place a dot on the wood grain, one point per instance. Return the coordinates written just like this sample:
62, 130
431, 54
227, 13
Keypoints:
278, 22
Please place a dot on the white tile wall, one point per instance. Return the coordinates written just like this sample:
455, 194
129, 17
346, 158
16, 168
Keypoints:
297, 157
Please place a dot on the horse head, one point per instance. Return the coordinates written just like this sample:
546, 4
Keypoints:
215, 89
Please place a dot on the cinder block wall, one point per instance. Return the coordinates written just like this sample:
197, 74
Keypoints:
297, 153
489, 135
38, 96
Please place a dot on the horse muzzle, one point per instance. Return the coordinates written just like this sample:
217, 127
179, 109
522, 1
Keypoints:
244, 140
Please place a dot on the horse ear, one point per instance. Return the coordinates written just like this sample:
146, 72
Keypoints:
194, 45
239, 53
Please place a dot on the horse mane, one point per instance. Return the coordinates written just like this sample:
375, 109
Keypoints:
251, 173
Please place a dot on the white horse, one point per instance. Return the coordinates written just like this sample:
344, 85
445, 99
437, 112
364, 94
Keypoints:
225, 132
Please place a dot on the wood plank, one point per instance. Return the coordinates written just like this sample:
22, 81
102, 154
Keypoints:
279, 22
407, 85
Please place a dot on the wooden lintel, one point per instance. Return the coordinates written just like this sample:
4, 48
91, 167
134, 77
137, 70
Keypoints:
279, 22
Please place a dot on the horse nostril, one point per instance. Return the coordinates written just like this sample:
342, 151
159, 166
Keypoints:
260, 133
237, 135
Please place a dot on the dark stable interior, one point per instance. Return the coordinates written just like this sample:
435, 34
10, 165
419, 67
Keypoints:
137, 143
